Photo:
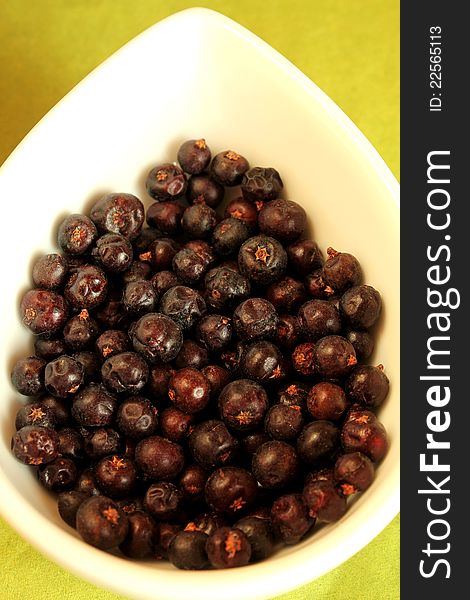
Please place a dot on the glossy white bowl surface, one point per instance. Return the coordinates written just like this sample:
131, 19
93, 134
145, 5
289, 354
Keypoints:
198, 74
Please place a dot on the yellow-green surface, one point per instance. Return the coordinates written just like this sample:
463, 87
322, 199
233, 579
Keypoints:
350, 48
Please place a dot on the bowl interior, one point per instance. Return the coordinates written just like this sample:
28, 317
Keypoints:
198, 74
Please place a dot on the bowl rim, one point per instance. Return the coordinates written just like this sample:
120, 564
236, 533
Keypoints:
65, 549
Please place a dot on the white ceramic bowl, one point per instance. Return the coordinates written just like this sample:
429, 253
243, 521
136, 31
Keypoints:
198, 74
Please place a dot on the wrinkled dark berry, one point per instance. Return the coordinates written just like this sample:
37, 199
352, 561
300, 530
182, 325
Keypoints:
80, 331
43, 311
49, 271
261, 183
163, 500
326, 401
142, 536
137, 417
111, 342
286, 295
294, 393
113, 252
211, 444
323, 501
284, 422
70, 443
367, 385
163, 281
139, 297
146, 236
275, 464
101, 523
58, 475
166, 217
229, 235
119, 213
243, 404
76, 234
225, 288
360, 306
160, 253
116, 476
59, 408
303, 359
341, 271
254, 319
159, 458
203, 189
86, 287
159, 378
287, 332
263, 362
228, 547
166, 182
304, 256
199, 220
125, 372
101, 442
353, 472
194, 156
260, 536
191, 355
284, 220
63, 376
318, 318
316, 286
228, 168
110, 314
290, 518
157, 337
214, 332
94, 406
68, 504
365, 433
362, 341
262, 259
189, 266
34, 445
188, 550
317, 440
49, 348
192, 481
90, 363
218, 378
334, 356
244, 210
35, 414
27, 376
184, 305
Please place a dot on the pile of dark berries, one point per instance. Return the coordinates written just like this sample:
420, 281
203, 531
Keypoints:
199, 388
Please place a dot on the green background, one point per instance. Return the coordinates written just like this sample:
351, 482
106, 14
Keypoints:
350, 48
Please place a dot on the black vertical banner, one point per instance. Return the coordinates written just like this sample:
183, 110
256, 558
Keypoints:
435, 259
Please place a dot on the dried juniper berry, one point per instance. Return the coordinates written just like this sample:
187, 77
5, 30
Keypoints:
284, 422
317, 440
166, 182
119, 213
43, 311
116, 476
263, 362
189, 266
317, 287
367, 385
68, 504
207, 522
142, 536
294, 393
286, 295
102, 441
203, 189
326, 401
199, 221
111, 314
214, 332
304, 256
282, 219
35, 445
35, 413
63, 376
290, 518
229, 235
101, 523
360, 306
163, 500
341, 271
159, 458
262, 259
166, 216
261, 183
211, 444
187, 550
318, 318
363, 342
183, 305
231, 490
192, 481
49, 271
224, 288
303, 359
80, 331
260, 536
191, 355
86, 287
76, 234
324, 502
251, 442
90, 363
275, 464
71, 443
243, 404
113, 252
94, 406
157, 337
194, 156
146, 236
139, 297
137, 417
353, 472
228, 547
287, 332
166, 532
160, 253
49, 348
27, 375
111, 342
125, 372
218, 378
86, 483
159, 378
243, 210
254, 319
163, 281
228, 168
59, 475
189, 390
59, 408
334, 356
204, 250
363, 432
